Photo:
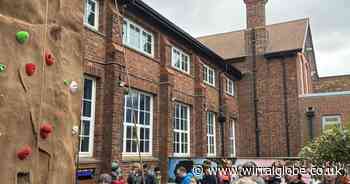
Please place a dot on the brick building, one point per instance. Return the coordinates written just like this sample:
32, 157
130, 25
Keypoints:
237, 94
141, 68
282, 101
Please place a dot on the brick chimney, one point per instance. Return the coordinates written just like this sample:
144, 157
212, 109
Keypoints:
255, 13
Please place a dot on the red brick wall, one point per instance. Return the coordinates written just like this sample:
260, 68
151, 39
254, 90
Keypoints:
323, 105
270, 105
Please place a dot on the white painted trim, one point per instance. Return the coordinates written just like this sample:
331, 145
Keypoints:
342, 93
181, 53
214, 134
214, 75
97, 13
324, 122
142, 30
231, 93
124, 153
91, 119
188, 133
233, 137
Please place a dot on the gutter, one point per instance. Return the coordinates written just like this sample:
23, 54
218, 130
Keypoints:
285, 98
287, 53
171, 27
257, 130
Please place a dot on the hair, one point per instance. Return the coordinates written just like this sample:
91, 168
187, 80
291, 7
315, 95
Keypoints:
136, 166
156, 169
182, 169
247, 166
145, 166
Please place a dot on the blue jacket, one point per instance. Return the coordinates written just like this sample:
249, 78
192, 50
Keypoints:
187, 179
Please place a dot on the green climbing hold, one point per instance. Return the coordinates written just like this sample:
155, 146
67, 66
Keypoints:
22, 36
67, 82
2, 67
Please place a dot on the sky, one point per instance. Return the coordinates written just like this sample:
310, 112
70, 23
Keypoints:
329, 19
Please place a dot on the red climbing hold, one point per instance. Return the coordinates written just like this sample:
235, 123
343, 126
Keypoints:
49, 58
45, 130
24, 152
30, 68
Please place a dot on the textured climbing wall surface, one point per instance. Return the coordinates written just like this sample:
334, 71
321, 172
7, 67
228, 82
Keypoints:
38, 110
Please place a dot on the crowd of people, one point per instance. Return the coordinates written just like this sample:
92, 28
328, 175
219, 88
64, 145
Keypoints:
143, 174
138, 175
187, 177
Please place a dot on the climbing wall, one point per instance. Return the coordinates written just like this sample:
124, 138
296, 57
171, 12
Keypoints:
40, 90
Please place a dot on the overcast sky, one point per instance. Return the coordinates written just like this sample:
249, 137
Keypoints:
330, 23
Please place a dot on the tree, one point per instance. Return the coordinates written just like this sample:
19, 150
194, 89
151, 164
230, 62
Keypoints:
332, 146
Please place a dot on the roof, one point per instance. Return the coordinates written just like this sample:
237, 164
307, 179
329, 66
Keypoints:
170, 27
282, 37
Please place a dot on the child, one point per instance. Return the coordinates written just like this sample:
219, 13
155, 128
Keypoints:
120, 180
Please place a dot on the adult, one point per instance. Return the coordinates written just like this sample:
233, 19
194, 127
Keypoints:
148, 175
208, 177
135, 175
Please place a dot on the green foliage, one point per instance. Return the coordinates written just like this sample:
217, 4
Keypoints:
332, 146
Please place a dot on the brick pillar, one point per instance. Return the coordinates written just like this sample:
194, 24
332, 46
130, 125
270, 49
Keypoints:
254, 84
166, 106
255, 13
223, 120
114, 94
199, 112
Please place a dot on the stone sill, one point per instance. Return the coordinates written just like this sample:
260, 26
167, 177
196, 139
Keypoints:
137, 158
88, 163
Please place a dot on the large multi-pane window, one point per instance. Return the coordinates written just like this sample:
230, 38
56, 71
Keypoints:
230, 87
331, 122
88, 117
137, 123
136, 37
208, 75
232, 137
91, 13
180, 60
211, 133
181, 127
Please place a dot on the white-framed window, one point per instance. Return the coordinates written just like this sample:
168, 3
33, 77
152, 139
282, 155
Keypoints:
230, 87
138, 120
232, 137
211, 133
91, 14
330, 122
180, 60
88, 118
181, 127
136, 37
208, 75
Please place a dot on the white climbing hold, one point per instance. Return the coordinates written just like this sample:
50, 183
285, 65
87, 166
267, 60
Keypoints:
73, 87
75, 130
